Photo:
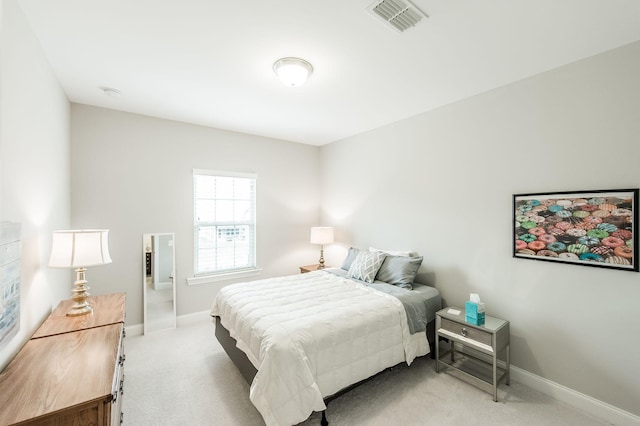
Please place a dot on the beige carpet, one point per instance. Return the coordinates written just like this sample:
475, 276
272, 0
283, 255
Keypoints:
184, 377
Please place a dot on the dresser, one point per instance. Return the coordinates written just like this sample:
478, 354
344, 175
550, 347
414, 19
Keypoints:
71, 371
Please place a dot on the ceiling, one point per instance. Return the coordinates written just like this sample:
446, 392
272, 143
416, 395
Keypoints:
209, 62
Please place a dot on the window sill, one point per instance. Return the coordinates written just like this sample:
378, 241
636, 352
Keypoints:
206, 279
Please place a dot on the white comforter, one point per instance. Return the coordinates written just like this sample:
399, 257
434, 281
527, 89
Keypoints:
310, 335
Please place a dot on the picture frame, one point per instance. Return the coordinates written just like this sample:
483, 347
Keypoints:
10, 253
589, 228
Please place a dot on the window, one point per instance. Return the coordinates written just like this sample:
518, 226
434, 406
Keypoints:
224, 223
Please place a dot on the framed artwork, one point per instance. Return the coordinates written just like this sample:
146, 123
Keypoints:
10, 249
591, 228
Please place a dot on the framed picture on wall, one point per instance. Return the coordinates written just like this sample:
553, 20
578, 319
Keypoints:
10, 253
591, 228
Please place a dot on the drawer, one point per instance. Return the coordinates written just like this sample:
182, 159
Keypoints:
468, 332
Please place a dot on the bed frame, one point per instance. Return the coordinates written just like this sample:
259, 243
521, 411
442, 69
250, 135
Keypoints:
248, 371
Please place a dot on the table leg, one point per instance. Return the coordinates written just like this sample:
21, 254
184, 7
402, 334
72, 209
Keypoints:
508, 373
453, 349
437, 353
495, 377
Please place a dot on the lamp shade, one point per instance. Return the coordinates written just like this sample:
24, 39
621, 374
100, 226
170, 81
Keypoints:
321, 235
292, 72
79, 248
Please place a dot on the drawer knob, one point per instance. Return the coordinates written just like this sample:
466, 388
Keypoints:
463, 332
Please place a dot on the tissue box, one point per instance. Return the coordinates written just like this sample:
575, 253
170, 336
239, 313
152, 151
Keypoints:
474, 313
476, 321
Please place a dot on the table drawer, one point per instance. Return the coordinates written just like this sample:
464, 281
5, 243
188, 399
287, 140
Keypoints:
468, 332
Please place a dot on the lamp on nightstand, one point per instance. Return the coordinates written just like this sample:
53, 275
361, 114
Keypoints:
79, 249
321, 235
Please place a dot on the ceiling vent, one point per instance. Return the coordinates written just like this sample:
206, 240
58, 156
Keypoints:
400, 15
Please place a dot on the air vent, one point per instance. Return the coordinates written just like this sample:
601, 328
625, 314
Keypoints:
400, 15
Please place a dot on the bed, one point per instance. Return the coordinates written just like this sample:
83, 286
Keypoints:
303, 339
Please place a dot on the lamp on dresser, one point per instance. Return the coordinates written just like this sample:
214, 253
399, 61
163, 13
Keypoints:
321, 235
79, 249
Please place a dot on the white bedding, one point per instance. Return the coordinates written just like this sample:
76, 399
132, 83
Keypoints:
311, 335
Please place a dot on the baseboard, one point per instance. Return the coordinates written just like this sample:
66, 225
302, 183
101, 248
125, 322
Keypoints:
194, 317
578, 400
134, 330
138, 329
575, 399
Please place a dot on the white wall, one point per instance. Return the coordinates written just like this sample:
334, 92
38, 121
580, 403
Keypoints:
442, 182
34, 167
132, 174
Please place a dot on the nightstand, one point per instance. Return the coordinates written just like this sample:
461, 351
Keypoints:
480, 347
310, 268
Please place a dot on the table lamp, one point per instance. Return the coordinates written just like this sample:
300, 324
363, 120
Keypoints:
321, 235
79, 249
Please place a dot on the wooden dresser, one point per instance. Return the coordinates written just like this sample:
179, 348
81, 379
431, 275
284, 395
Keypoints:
71, 371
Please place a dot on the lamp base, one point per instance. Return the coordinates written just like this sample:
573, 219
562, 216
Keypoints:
81, 306
321, 260
77, 311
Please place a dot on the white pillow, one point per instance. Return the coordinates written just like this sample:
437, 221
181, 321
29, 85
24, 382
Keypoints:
366, 265
405, 253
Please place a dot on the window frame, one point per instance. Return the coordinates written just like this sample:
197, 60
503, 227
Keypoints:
202, 277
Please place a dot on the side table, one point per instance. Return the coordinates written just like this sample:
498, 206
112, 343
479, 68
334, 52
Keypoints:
479, 344
309, 268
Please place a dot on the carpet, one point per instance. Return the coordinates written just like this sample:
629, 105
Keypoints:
184, 377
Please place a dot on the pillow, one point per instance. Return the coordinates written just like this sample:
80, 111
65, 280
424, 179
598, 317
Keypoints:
351, 256
366, 265
399, 270
406, 253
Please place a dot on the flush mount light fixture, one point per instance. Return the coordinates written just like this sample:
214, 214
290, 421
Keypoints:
292, 72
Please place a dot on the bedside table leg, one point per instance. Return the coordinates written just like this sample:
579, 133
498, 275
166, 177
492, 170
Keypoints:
495, 377
437, 353
508, 372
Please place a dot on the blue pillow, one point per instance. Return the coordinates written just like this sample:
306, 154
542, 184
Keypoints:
399, 270
351, 256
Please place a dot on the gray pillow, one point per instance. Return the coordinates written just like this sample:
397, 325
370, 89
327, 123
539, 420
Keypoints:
366, 265
351, 256
399, 270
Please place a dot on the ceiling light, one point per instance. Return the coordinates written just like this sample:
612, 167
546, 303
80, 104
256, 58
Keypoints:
292, 72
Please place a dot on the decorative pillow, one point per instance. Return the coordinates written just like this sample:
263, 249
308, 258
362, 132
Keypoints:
406, 253
399, 270
366, 265
351, 256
